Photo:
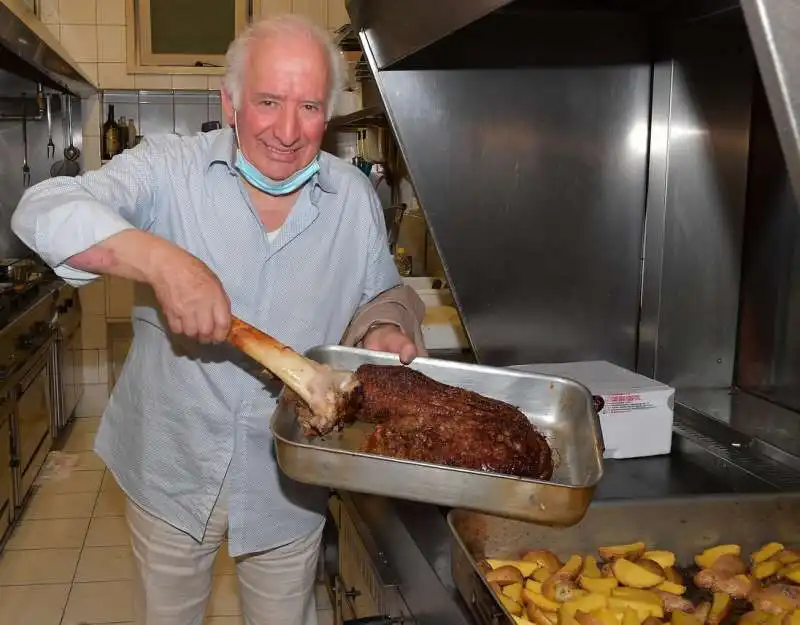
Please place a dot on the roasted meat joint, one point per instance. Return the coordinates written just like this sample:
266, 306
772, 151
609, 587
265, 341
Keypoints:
416, 418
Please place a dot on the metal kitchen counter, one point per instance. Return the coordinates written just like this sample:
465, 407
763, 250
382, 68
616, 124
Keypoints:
413, 540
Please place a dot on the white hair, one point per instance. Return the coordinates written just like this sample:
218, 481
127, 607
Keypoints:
288, 24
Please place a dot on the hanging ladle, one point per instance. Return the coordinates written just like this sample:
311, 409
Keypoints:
71, 152
66, 166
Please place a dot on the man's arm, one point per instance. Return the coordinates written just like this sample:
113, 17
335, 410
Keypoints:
390, 314
399, 307
97, 224
62, 217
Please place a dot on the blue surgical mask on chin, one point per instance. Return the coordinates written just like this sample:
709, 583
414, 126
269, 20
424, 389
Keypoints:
261, 182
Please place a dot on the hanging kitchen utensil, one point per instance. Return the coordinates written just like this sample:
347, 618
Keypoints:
26, 170
51, 147
71, 152
66, 166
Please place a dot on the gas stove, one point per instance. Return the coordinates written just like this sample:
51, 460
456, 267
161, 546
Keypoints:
22, 282
29, 300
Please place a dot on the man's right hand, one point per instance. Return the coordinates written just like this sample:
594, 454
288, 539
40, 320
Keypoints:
191, 296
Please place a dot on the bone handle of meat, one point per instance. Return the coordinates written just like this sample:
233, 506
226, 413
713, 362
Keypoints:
328, 393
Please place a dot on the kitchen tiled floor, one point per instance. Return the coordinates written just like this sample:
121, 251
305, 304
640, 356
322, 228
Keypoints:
69, 561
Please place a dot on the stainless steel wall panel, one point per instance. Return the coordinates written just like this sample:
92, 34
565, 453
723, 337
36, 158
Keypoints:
708, 142
532, 180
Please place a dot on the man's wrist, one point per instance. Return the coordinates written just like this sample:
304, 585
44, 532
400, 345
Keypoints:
377, 325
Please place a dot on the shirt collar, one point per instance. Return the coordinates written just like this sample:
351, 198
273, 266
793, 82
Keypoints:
223, 150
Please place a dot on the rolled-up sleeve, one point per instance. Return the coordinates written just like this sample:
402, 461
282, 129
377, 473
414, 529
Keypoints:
63, 216
382, 273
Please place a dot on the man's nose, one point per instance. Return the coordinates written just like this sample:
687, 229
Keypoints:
287, 130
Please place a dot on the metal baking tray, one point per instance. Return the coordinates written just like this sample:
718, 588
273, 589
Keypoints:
562, 410
684, 525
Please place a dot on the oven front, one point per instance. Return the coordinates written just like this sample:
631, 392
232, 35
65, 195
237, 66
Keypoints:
32, 423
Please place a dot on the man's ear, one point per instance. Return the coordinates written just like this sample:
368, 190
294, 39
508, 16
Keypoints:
227, 107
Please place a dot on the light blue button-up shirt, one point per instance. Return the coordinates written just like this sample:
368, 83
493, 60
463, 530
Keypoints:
183, 414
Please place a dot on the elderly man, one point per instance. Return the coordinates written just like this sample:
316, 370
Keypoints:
254, 221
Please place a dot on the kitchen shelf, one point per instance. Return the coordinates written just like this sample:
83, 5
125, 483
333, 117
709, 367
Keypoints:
372, 116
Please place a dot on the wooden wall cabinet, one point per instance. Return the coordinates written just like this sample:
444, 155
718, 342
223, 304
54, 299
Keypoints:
329, 14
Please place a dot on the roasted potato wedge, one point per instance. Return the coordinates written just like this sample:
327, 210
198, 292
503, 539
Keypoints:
631, 617
790, 572
672, 575
543, 559
537, 616
533, 586
765, 569
513, 591
720, 608
587, 603
526, 568
590, 568
665, 559
602, 585
787, 556
652, 566
706, 559
631, 574
561, 590
684, 618
571, 568
793, 618
729, 565
671, 587
505, 575
755, 617
767, 552
630, 551
738, 586
776, 598
540, 601
514, 608
675, 603
541, 575
702, 610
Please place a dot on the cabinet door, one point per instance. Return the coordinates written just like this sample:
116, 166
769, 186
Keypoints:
337, 14
268, 8
315, 10
188, 33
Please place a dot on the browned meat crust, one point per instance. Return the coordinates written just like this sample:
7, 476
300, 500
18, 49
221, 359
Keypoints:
424, 420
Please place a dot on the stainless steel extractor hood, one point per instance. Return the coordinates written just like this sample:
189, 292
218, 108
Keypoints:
584, 166
29, 49
398, 30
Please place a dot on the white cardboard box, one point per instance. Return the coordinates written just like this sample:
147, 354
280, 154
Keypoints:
635, 412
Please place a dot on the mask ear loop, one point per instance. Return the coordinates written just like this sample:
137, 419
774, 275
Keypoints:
236, 132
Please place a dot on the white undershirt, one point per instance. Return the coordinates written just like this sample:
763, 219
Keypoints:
271, 236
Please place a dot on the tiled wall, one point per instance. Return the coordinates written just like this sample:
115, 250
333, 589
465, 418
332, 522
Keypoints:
164, 112
93, 32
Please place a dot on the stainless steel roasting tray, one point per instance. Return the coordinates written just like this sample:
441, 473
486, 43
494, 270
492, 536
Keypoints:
561, 409
683, 525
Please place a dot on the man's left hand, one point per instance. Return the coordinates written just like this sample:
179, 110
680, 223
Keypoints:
390, 338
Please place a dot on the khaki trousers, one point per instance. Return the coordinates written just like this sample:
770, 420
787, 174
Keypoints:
172, 576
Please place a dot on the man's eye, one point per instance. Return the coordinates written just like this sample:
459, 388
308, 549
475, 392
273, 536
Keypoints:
267, 102
311, 107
